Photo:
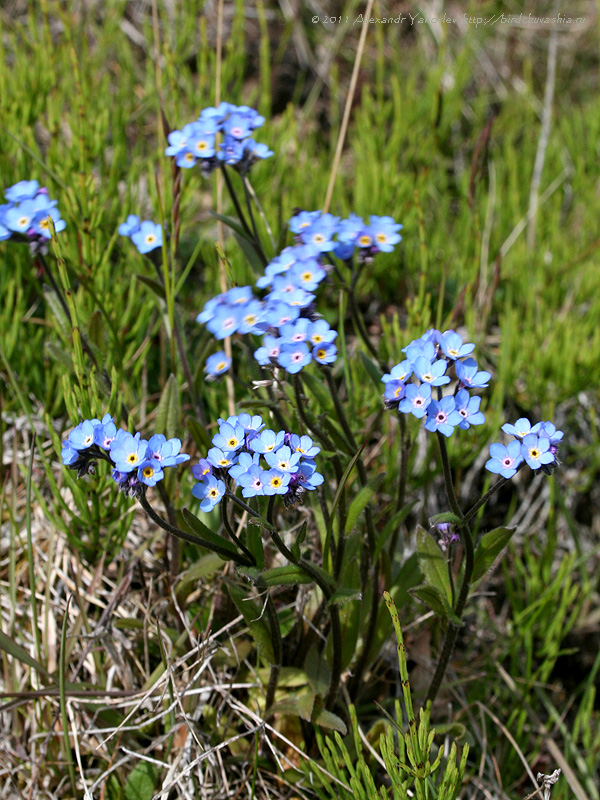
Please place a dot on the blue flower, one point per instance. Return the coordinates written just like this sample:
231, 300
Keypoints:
283, 459
467, 374
217, 364
433, 374
416, 400
82, 436
245, 461
131, 225
307, 475
201, 469
23, 190
520, 429
148, 237
468, 408
150, 472
385, 233
210, 491
269, 352
504, 460
267, 441
442, 416
128, 451
401, 372
230, 437
304, 446
536, 450
274, 481
165, 451
225, 322
319, 332
453, 347
251, 481
222, 459
105, 432
294, 357
68, 453
325, 353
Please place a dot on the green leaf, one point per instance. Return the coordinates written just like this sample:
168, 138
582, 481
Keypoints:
254, 543
198, 433
59, 355
372, 369
489, 547
343, 596
361, 500
64, 323
341, 487
253, 618
141, 782
251, 253
430, 596
16, 651
326, 719
231, 223
299, 540
153, 285
96, 332
194, 525
433, 564
285, 576
168, 413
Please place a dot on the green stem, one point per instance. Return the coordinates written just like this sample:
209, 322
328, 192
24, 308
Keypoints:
231, 533
238, 210
463, 594
190, 537
277, 650
483, 500
336, 630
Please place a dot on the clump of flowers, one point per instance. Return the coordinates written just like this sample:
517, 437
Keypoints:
146, 235
351, 235
428, 362
534, 445
290, 340
259, 460
197, 141
439, 360
136, 462
29, 215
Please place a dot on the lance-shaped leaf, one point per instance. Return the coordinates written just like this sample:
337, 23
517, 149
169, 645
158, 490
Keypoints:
168, 412
433, 564
285, 576
360, 502
489, 547
253, 618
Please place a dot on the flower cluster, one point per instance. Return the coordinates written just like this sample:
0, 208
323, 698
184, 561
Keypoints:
197, 141
240, 448
29, 214
408, 387
136, 462
293, 334
534, 445
318, 230
145, 235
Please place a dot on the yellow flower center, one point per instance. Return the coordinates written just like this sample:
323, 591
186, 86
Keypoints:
365, 240
132, 458
276, 482
321, 353
381, 237
147, 472
232, 442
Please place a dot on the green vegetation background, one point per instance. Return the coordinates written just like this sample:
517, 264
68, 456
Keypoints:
443, 136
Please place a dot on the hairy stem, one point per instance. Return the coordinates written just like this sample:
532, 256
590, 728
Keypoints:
190, 537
